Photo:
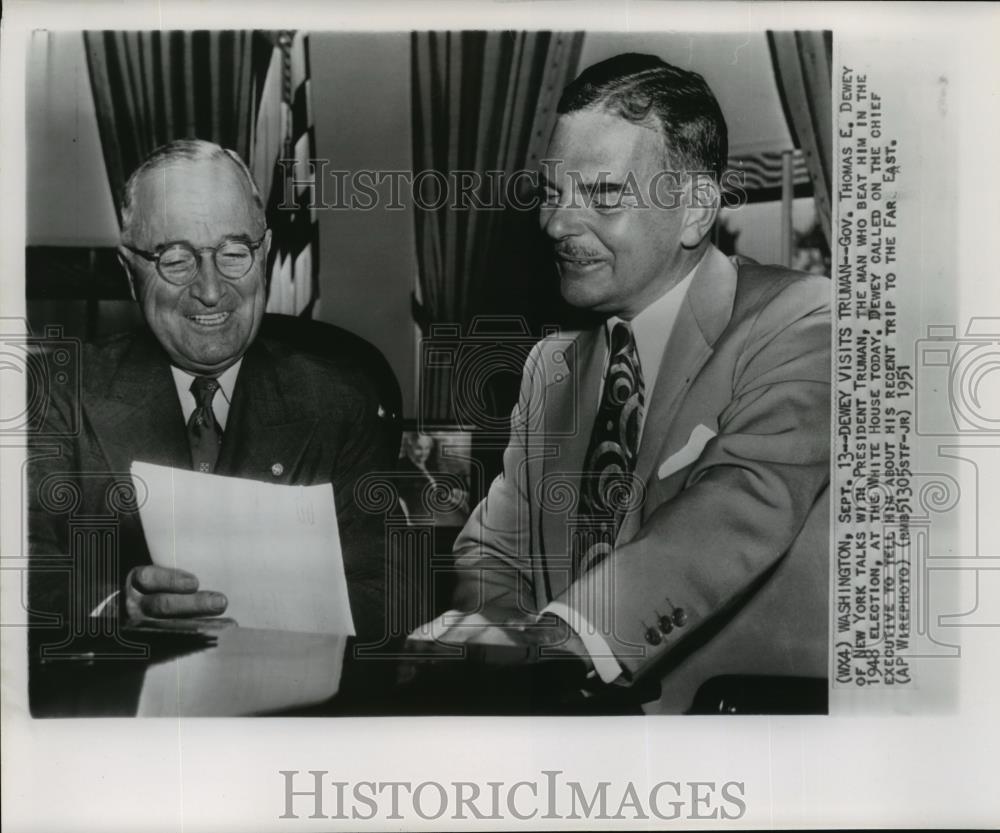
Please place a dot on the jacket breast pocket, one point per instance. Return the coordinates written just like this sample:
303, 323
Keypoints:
687, 454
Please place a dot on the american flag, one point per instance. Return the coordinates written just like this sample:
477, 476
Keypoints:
284, 131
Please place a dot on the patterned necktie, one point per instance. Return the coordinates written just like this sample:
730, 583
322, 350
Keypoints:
606, 484
204, 432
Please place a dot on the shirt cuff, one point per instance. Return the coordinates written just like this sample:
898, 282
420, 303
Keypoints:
605, 664
97, 611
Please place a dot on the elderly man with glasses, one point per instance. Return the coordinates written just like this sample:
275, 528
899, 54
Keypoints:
196, 389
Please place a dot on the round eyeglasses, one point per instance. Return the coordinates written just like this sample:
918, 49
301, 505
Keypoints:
178, 263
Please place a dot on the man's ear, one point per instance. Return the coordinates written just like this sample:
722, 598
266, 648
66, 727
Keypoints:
702, 200
123, 259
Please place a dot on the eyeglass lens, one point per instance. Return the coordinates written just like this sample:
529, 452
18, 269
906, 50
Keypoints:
178, 264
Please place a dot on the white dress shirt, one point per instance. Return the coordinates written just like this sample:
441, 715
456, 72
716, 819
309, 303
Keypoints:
651, 329
220, 406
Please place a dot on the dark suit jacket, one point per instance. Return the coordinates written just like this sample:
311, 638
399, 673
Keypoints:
294, 418
734, 455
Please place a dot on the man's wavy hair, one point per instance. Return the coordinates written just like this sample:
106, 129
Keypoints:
644, 88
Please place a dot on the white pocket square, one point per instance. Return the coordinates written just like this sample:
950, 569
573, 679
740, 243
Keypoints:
687, 455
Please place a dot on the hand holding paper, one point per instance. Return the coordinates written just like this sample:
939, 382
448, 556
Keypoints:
166, 593
271, 551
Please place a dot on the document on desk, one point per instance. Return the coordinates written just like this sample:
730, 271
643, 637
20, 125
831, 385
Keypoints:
273, 550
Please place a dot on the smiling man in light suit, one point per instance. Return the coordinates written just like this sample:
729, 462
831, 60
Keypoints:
661, 465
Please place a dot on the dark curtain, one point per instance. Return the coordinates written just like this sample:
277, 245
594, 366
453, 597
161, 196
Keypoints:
802, 68
152, 87
482, 101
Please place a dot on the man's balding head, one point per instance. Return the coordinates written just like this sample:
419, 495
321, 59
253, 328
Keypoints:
180, 152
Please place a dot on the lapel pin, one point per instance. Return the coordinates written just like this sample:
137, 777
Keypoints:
277, 469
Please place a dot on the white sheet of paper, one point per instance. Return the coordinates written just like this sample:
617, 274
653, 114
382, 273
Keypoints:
273, 550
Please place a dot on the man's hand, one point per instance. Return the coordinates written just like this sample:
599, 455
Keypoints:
553, 638
526, 664
165, 593
545, 638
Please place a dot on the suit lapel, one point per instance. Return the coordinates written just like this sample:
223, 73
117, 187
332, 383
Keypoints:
270, 423
569, 413
703, 316
138, 417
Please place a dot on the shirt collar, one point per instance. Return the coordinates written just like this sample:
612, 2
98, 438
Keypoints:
227, 382
652, 327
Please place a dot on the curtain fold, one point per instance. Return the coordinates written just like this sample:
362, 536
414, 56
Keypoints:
153, 87
244, 90
802, 64
481, 102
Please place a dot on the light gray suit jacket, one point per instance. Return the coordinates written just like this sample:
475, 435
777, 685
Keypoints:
747, 368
